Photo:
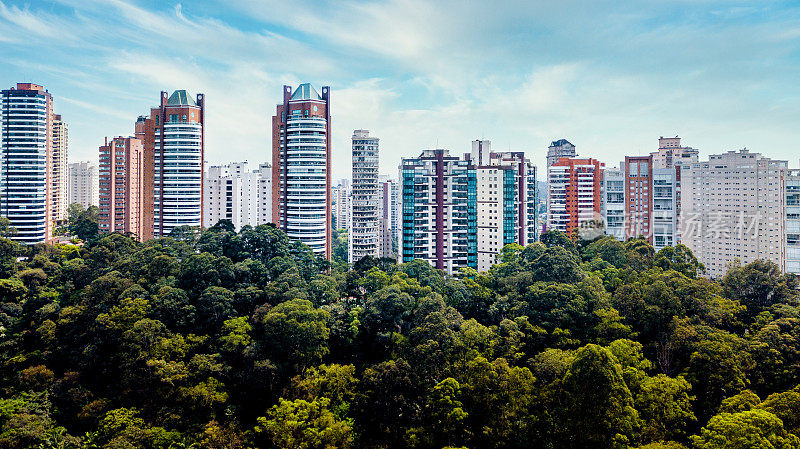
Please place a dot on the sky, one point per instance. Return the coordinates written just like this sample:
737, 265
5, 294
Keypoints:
609, 76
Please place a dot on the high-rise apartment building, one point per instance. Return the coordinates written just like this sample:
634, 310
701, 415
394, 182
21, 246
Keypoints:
121, 186
26, 161
665, 207
363, 235
793, 222
457, 214
301, 167
60, 161
670, 153
173, 141
236, 193
638, 191
505, 202
388, 216
82, 184
439, 204
340, 205
614, 202
733, 207
574, 194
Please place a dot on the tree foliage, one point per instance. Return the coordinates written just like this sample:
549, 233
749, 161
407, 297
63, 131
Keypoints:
223, 339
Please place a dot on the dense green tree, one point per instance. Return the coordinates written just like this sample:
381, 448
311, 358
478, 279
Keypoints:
754, 429
297, 332
83, 223
301, 424
759, 285
600, 408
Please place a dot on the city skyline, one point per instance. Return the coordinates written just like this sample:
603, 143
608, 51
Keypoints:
425, 76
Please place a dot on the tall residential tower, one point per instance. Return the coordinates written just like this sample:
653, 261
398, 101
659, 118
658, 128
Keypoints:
26, 161
301, 167
82, 184
363, 237
60, 161
173, 138
121, 187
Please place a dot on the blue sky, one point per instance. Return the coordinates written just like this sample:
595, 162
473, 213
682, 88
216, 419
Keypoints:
610, 76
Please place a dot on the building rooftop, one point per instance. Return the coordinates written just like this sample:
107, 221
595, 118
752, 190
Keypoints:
306, 91
181, 98
560, 142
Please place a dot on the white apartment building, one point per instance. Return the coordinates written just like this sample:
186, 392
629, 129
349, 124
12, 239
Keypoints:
665, 191
59, 172
340, 204
82, 184
236, 193
505, 205
793, 221
388, 216
363, 227
614, 203
733, 207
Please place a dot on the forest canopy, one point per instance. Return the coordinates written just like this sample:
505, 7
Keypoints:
219, 339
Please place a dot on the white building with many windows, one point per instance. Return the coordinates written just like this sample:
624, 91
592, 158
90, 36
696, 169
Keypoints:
733, 207
340, 205
388, 216
363, 227
235, 192
82, 184
505, 201
614, 202
59, 172
793, 221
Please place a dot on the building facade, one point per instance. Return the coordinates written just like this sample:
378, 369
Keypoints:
235, 192
121, 186
574, 194
733, 207
363, 235
60, 163
793, 222
506, 201
639, 197
340, 205
388, 216
173, 140
439, 211
671, 153
26, 162
559, 149
301, 167
665, 207
456, 213
614, 203
82, 184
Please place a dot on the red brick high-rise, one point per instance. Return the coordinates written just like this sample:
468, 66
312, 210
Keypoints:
122, 191
639, 197
574, 193
174, 154
301, 167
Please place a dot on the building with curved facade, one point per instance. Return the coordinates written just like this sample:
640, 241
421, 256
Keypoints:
174, 156
301, 167
26, 162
